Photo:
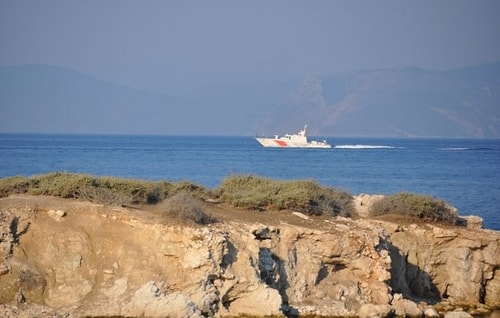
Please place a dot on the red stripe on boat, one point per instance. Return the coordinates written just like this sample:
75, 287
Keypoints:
281, 143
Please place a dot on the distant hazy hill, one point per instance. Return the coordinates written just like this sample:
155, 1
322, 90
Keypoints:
50, 99
394, 102
387, 102
40, 98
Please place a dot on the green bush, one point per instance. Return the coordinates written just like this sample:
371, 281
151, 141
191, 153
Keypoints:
13, 185
258, 193
105, 190
182, 207
126, 191
193, 189
61, 184
423, 207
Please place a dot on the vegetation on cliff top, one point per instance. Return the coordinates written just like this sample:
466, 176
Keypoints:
307, 196
423, 207
183, 207
105, 190
183, 199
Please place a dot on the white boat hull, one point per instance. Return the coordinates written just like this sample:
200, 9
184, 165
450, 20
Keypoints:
298, 140
282, 143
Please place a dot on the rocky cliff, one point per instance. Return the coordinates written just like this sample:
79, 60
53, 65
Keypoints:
70, 258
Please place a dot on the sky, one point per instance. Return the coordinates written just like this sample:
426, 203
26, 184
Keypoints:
156, 44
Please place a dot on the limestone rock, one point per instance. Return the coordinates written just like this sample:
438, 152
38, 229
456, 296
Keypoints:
375, 311
440, 263
57, 214
99, 261
150, 300
430, 312
472, 221
364, 202
457, 314
406, 308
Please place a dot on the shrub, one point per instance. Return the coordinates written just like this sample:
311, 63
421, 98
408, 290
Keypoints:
126, 191
423, 207
13, 185
258, 193
105, 190
182, 207
61, 184
193, 189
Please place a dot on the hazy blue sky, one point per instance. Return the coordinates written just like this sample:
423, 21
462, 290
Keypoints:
148, 43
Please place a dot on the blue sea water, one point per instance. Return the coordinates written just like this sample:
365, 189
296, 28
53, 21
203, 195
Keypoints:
463, 172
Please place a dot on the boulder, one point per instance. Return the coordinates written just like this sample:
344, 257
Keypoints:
406, 308
457, 314
375, 311
364, 202
471, 221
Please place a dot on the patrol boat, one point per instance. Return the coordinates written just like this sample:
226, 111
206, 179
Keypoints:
298, 140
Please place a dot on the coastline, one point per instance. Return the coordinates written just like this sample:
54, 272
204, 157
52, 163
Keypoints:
423, 166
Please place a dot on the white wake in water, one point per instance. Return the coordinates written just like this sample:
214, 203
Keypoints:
454, 148
364, 147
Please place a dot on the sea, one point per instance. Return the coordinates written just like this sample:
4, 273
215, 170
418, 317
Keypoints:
463, 172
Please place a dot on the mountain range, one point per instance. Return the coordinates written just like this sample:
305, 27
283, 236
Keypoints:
396, 102
403, 102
